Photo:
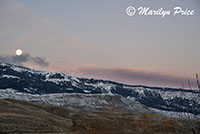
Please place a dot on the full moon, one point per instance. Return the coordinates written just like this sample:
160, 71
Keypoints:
19, 52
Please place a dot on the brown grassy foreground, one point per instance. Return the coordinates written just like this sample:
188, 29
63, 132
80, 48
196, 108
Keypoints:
25, 117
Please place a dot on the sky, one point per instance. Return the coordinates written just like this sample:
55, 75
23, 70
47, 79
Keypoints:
97, 39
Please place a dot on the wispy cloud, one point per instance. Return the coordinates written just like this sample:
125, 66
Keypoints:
133, 76
23, 59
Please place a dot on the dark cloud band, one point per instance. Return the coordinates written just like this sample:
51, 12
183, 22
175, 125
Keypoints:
20, 60
132, 76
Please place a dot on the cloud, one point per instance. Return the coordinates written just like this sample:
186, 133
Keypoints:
131, 76
24, 58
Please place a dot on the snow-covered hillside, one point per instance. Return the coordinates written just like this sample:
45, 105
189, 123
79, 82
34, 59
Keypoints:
39, 85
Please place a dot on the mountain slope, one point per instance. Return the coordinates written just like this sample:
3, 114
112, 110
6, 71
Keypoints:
25, 80
81, 101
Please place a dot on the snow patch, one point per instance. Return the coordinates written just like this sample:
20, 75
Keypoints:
10, 76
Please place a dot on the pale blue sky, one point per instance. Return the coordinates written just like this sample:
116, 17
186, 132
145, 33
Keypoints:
99, 34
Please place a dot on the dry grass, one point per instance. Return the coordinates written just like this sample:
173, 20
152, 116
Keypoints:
25, 117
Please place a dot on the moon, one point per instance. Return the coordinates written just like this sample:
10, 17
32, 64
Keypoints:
19, 52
